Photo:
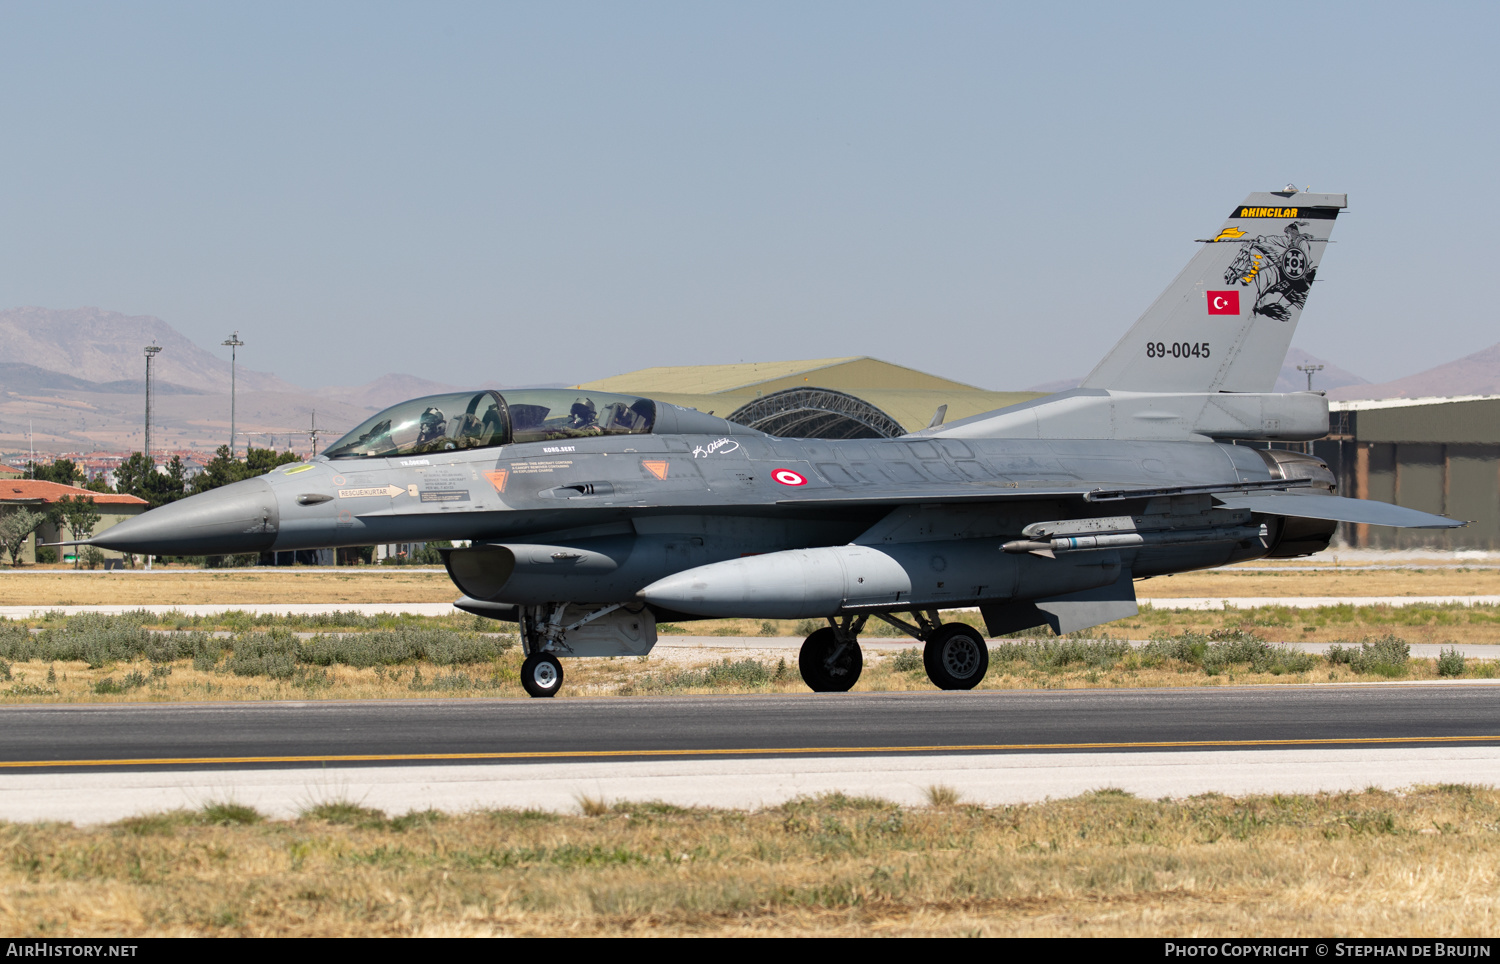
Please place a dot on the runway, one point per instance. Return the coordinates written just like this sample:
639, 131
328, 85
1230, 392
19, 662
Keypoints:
101, 762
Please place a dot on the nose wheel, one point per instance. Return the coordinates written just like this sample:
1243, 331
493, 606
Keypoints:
831, 660
542, 674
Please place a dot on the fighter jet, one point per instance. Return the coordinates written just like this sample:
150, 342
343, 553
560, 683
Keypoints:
590, 517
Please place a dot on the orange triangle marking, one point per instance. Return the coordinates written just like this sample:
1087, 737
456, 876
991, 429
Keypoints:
497, 478
658, 469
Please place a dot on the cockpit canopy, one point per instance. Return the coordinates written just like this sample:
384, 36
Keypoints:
471, 420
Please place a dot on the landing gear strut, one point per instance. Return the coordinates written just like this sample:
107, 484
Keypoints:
955, 655
831, 659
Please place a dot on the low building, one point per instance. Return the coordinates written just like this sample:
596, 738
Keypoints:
1438, 455
854, 397
40, 496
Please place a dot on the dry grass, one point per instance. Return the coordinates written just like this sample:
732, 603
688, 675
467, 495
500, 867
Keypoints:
1418, 623
1426, 862
675, 673
1436, 581
182, 587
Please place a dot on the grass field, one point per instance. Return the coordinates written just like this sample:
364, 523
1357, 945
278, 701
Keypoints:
94, 658
42, 587
1423, 862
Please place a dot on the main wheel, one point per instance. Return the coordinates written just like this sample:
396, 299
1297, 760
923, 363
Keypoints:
825, 672
956, 657
542, 674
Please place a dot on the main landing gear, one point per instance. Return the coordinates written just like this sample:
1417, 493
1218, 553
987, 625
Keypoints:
955, 655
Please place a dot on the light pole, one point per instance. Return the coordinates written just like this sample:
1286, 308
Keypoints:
233, 341
1308, 370
151, 352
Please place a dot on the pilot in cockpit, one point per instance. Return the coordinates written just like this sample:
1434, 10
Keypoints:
583, 414
430, 428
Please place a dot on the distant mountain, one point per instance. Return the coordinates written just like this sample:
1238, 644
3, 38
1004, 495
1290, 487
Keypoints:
19, 379
1331, 377
106, 346
1290, 380
386, 390
1476, 374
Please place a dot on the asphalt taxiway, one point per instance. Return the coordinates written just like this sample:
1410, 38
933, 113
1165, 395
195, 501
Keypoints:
102, 762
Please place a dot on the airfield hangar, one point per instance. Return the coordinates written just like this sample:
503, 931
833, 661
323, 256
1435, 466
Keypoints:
1438, 455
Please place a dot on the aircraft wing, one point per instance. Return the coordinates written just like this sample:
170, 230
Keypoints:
1335, 508
997, 492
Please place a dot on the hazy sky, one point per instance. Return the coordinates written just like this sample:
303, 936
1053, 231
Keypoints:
555, 192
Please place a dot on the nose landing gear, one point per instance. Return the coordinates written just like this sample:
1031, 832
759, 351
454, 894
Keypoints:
831, 660
541, 674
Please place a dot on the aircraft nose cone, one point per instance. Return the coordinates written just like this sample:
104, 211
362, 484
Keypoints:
239, 517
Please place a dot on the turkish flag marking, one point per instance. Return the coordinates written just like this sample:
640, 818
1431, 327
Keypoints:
498, 478
1223, 302
658, 469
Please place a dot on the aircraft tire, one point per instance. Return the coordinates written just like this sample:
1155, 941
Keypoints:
542, 675
819, 676
957, 657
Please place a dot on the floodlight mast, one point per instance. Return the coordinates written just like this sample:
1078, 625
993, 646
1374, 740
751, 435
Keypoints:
1308, 370
234, 343
151, 352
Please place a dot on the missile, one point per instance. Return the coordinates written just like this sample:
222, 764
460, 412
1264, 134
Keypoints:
1128, 540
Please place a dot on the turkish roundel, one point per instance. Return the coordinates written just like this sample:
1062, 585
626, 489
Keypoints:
788, 477
1223, 302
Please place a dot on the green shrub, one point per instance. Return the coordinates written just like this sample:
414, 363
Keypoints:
1060, 652
725, 674
1387, 656
881, 629
108, 686
1450, 662
1218, 651
908, 661
228, 814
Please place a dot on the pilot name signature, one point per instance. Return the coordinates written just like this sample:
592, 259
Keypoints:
721, 447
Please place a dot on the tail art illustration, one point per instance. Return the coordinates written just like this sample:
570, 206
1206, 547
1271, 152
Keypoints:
1225, 323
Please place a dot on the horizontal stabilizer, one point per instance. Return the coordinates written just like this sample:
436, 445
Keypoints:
1335, 508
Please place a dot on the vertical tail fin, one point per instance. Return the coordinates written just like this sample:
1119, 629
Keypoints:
1225, 324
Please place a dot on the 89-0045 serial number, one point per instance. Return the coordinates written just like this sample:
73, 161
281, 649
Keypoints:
1177, 349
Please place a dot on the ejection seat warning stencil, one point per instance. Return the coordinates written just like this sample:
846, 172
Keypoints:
656, 467
539, 467
498, 478
446, 495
